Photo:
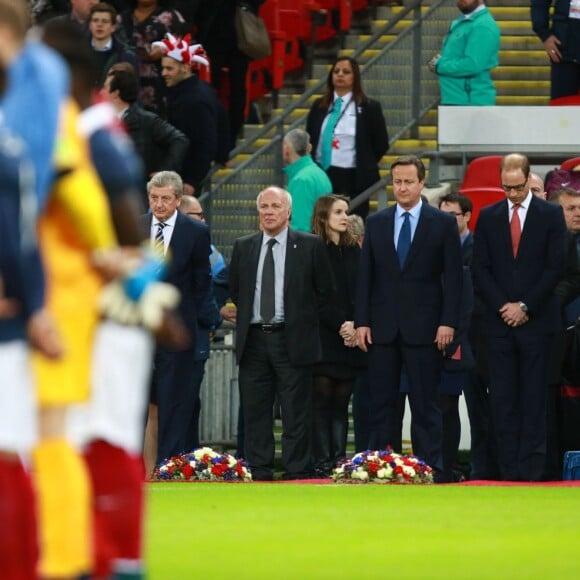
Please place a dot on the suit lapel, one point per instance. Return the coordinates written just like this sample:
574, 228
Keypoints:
292, 246
253, 259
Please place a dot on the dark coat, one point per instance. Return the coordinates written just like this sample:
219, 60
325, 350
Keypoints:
161, 146
344, 262
189, 269
531, 276
106, 59
193, 107
307, 285
566, 29
425, 294
371, 141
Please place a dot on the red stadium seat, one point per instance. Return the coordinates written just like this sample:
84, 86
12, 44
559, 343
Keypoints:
483, 172
570, 164
566, 101
480, 197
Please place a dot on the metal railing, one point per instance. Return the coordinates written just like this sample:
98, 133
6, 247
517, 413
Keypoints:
396, 76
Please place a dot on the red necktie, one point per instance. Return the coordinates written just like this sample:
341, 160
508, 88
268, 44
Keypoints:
515, 229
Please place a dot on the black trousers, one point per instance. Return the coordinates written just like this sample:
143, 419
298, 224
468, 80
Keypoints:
423, 364
565, 79
518, 390
266, 371
175, 391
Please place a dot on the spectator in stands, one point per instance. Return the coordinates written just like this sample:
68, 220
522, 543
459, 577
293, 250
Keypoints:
107, 49
568, 291
458, 358
560, 33
42, 10
278, 280
192, 107
469, 52
160, 145
357, 227
217, 32
341, 362
79, 13
348, 132
144, 23
306, 181
516, 275
537, 186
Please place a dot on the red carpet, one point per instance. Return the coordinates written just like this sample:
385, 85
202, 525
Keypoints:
464, 483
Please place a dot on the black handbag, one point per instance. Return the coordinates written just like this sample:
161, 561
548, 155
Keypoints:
251, 32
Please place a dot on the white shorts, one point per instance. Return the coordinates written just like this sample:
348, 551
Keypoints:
121, 369
18, 409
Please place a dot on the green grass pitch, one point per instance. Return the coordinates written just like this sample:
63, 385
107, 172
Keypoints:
209, 530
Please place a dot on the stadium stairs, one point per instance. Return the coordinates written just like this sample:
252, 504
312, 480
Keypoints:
521, 78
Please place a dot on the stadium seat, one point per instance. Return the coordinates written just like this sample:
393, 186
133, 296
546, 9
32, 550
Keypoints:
482, 172
481, 197
570, 164
566, 101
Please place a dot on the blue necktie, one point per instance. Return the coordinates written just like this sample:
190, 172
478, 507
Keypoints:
404, 241
328, 134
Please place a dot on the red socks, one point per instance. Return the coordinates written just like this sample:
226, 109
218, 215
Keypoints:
117, 480
18, 542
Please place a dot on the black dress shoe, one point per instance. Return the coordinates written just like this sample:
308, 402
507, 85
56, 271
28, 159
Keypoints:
262, 477
295, 476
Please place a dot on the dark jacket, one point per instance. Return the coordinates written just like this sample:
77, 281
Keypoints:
192, 107
344, 264
161, 146
307, 285
566, 29
530, 277
371, 141
106, 59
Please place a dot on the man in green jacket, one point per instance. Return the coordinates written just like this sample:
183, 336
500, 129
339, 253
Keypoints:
306, 180
469, 52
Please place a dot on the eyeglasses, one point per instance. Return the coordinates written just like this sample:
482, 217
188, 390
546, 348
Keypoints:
455, 213
519, 187
197, 213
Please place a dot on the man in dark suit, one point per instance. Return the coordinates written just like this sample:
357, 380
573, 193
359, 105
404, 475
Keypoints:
188, 244
409, 288
277, 287
519, 257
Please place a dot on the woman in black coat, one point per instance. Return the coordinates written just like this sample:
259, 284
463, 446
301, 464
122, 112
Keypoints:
349, 143
335, 374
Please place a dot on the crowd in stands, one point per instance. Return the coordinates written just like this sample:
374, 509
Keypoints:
106, 309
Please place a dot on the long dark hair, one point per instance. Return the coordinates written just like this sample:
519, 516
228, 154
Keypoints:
358, 94
320, 214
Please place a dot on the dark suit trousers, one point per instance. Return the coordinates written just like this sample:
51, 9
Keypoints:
423, 364
175, 391
265, 370
518, 389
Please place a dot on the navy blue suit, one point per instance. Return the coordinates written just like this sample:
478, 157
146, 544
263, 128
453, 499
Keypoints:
403, 308
173, 385
517, 357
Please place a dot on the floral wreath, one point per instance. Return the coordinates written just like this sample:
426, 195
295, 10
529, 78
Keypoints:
203, 464
383, 466
182, 51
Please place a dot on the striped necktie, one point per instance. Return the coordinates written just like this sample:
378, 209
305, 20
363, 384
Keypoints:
159, 238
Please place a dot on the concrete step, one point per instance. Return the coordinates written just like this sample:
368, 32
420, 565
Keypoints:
506, 73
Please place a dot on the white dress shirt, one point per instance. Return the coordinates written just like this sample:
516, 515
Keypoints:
167, 230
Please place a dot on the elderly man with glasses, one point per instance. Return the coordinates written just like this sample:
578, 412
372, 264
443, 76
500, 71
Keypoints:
519, 257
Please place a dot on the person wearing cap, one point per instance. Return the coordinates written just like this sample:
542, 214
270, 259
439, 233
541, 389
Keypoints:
192, 107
